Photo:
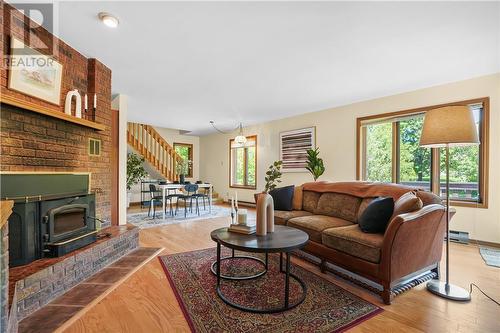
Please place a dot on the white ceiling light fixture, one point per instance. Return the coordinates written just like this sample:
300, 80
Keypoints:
108, 19
239, 139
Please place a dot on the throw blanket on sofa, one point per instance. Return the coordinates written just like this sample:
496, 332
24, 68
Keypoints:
361, 189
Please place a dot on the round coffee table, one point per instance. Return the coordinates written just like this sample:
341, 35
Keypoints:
283, 240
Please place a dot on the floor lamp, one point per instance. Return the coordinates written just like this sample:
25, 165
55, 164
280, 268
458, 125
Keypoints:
444, 128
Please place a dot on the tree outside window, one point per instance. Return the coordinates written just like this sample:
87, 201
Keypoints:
390, 152
185, 151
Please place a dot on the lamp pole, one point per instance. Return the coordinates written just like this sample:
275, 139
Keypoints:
447, 290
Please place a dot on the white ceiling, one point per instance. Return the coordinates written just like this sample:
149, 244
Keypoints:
183, 64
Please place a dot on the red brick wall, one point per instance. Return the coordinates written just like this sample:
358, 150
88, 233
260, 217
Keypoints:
34, 142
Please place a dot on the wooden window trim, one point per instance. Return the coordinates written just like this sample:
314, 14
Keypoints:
246, 187
483, 151
190, 150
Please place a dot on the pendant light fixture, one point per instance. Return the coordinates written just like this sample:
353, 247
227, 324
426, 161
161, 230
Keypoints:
239, 139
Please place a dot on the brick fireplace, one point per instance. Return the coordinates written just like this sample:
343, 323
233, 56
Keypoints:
32, 142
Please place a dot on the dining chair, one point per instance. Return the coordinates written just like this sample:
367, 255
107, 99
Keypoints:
189, 194
156, 198
202, 193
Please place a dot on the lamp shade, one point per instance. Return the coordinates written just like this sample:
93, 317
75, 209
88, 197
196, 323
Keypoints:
449, 126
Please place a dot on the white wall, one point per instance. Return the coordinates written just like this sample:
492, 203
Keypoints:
120, 103
173, 136
336, 138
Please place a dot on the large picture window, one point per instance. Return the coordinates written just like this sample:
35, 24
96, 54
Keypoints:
243, 163
389, 151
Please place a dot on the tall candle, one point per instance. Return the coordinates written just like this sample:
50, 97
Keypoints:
232, 204
95, 101
236, 193
86, 102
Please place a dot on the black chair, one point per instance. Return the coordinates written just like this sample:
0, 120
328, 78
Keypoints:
156, 198
190, 192
202, 193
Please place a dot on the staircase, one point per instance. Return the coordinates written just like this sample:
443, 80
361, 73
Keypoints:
155, 150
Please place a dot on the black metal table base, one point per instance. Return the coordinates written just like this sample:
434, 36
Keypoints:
239, 278
286, 271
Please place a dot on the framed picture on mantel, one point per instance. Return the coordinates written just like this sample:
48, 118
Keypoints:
293, 148
33, 73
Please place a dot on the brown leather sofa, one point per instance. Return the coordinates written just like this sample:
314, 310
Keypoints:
410, 248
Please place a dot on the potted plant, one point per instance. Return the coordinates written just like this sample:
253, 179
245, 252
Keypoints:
314, 163
135, 173
273, 175
182, 168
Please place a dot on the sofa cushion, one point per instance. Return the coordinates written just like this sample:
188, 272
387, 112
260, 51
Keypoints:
313, 225
282, 197
362, 206
353, 241
339, 205
298, 196
310, 201
377, 215
282, 216
407, 203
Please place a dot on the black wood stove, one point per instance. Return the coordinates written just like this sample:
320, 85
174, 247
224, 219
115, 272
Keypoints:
50, 226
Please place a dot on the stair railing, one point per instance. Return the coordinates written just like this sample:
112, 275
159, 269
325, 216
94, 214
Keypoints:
151, 145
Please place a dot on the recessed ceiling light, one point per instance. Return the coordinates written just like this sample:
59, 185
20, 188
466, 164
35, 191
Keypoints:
108, 19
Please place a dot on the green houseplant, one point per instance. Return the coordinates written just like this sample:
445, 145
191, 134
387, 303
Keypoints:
273, 176
135, 172
182, 168
315, 164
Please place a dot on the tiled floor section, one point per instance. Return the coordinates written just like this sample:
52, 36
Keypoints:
54, 314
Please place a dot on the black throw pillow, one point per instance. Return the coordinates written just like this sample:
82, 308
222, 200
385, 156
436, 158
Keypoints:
377, 215
283, 197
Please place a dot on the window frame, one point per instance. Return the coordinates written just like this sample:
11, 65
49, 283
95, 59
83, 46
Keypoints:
245, 186
435, 160
190, 157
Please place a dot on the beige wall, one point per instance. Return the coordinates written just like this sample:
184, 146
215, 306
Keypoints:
336, 137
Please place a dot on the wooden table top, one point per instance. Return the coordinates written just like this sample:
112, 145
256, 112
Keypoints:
283, 239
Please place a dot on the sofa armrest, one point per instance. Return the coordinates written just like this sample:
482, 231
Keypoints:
412, 242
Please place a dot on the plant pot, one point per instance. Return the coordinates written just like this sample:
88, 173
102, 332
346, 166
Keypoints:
129, 196
182, 179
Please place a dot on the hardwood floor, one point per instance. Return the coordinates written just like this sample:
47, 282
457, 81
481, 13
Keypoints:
145, 302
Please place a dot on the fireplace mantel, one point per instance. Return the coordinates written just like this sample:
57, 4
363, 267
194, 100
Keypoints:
7, 99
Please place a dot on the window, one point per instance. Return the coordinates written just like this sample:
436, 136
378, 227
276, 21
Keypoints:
185, 151
243, 163
389, 151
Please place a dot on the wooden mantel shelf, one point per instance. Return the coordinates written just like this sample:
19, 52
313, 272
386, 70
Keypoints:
5, 211
50, 112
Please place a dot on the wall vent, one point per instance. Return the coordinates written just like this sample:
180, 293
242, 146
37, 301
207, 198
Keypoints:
94, 147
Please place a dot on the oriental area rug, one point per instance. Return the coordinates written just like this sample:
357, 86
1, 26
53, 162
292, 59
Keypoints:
326, 308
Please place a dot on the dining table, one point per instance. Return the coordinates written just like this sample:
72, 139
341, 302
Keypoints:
172, 186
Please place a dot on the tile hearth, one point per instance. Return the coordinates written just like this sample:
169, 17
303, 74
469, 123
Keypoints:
57, 312
34, 285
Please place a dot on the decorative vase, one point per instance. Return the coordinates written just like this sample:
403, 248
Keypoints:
256, 195
265, 214
182, 178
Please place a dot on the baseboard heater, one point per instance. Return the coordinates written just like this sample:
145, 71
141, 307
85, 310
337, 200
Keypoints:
461, 237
